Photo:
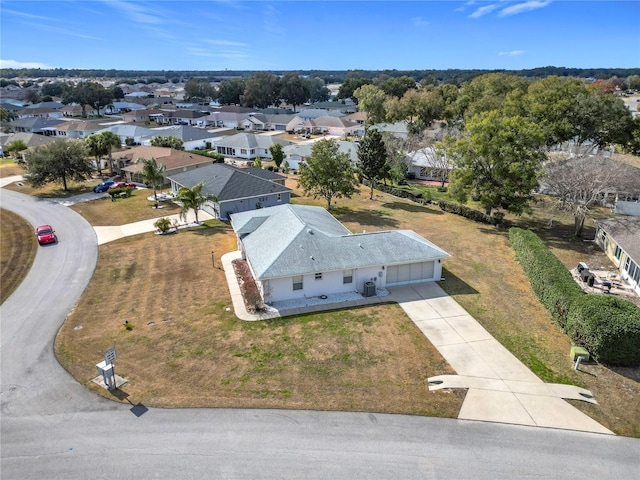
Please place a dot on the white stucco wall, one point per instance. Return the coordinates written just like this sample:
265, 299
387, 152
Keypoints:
279, 289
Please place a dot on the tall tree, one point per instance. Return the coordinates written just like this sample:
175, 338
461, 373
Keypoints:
398, 86
230, 91
371, 100
59, 161
168, 142
498, 161
350, 85
487, 92
372, 156
262, 90
95, 146
294, 89
327, 173
88, 93
198, 89
192, 199
277, 154
152, 174
579, 183
318, 92
602, 118
110, 141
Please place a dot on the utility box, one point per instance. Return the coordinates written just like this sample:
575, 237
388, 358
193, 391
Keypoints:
579, 352
582, 267
369, 289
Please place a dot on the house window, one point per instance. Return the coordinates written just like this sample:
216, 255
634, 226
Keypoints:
347, 276
243, 151
297, 282
318, 276
279, 197
618, 252
603, 237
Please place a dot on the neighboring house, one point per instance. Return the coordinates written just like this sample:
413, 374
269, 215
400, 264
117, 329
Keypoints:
236, 189
134, 132
268, 122
358, 117
330, 125
193, 138
397, 129
40, 125
122, 107
76, 129
297, 153
248, 146
311, 113
426, 166
180, 117
297, 251
31, 140
44, 112
175, 161
619, 238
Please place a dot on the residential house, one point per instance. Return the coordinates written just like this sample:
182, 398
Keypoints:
236, 189
174, 161
619, 238
397, 129
43, 126
330, 126
426, 164
298, 251
627, 203
269, 122
76, 129
135, 133
122, 107
248, 146
193, 138
297, 153
31, 140
311, 113
180, 117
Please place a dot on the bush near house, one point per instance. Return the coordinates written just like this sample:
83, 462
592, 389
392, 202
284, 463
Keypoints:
252, 298
497, 218
116, 192
608, 327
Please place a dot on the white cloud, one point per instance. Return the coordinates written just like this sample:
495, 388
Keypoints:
136, 12
484, 10
226, 43
523, 7
419, 21
512, 53
16, 64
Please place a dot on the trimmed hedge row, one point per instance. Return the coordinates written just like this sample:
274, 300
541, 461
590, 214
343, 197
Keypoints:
475, 215
608, 327
413, 194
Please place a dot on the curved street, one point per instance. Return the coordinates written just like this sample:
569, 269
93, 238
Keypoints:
54, 428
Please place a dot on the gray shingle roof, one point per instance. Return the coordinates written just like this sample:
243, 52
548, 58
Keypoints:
227, 182
626, 232
292, 240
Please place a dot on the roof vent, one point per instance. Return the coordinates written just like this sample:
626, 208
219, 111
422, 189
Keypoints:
311, 257
309, 231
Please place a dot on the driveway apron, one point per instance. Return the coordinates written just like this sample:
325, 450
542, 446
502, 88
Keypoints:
500, 387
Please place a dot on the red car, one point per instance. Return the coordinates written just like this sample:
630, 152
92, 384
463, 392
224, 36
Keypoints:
122, 185
46, 235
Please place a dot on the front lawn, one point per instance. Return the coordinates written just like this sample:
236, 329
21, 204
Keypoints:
186, 349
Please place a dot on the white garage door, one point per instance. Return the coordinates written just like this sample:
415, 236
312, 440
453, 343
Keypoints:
410, 273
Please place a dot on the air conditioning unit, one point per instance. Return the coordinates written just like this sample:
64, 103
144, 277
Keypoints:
582, 267
369, 289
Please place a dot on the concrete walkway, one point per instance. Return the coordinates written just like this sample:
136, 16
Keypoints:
500, 387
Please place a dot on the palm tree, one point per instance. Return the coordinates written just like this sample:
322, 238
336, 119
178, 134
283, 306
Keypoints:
193, 198
152, 174
96, 147
110, 140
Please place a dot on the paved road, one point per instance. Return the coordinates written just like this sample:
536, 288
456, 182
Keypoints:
53, 428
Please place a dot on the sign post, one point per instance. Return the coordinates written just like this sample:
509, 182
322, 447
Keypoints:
109, 358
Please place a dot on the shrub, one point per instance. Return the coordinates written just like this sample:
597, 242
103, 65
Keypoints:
608, 327
549, 278
115, 192
163, 224
442, 189
411, 175
475, 215
250, 293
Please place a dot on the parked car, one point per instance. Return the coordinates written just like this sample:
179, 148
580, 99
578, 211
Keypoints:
122, 185
103, 187
46, 235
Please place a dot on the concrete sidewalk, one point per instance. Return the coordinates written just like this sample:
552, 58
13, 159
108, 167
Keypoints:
500, 387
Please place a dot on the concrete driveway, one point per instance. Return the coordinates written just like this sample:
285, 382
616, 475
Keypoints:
500, 387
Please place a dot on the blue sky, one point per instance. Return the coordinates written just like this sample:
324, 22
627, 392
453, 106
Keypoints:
302, 35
